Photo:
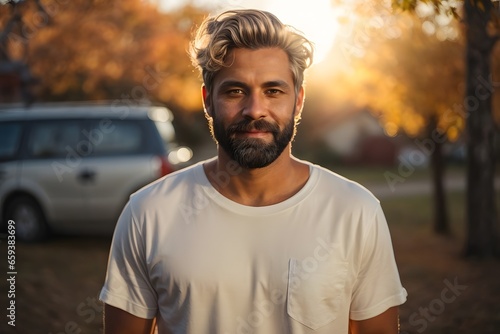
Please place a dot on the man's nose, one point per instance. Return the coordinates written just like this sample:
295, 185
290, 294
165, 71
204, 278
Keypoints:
255, 106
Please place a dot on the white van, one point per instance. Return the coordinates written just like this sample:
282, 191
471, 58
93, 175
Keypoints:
70, 167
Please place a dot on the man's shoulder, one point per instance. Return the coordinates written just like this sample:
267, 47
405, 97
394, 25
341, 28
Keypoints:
342, 187
168, 186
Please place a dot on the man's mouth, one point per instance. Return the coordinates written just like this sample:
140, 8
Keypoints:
253, 133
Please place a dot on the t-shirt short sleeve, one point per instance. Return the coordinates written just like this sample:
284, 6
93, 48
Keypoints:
127, 284
378, 286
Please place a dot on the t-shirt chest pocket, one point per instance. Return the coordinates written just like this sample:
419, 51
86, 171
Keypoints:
315, 291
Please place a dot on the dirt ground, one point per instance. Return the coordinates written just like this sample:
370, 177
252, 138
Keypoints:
446, 294
58, 281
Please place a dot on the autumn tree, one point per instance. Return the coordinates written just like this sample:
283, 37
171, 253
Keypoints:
422, 74
16, 77
410, 77
124, 51
482, 31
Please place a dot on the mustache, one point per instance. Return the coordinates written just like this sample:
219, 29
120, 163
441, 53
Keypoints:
252, 125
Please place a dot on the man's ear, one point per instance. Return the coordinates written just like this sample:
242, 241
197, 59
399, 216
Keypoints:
299, 103
207, 104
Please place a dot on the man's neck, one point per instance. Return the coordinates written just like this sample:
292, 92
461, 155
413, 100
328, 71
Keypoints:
258, 186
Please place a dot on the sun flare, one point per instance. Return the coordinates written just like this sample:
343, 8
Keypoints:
315, 19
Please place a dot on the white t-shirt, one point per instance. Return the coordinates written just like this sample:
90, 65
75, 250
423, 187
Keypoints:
202, 263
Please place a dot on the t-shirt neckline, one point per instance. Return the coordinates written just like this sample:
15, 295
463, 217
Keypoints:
242, 209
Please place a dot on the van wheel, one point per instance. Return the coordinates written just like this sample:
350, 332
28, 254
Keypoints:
28, 217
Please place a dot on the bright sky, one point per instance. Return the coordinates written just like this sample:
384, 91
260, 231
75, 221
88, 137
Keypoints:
316, 19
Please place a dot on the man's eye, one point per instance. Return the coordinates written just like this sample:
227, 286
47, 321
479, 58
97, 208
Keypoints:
236, 91
273, 91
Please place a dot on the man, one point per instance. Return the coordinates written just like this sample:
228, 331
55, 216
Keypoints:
254, 240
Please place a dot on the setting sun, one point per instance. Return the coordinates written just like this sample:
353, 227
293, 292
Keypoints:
316, 20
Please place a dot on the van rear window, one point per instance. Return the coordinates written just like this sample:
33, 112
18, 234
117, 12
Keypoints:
120, 137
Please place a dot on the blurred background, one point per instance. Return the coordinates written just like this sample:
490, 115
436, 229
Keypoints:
403, 97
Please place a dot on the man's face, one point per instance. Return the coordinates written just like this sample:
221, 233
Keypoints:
253, 106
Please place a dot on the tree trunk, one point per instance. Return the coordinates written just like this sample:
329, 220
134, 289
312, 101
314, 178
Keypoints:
441, 224
482, 238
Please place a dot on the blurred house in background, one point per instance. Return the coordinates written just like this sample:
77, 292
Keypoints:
359, 138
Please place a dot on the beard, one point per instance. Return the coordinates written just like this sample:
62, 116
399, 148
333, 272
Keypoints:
252, 152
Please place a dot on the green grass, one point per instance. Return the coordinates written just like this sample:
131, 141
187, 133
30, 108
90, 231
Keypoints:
416, 212
411, 211
371, 175
376, 174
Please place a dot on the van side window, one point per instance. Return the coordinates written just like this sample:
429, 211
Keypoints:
54, 139
10, 138
117, 138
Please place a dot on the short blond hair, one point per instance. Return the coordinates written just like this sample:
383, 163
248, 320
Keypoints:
251, 29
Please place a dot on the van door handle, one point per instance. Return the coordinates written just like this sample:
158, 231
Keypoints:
87, 175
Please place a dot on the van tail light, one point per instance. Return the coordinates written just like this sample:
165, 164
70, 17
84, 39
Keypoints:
164, 167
